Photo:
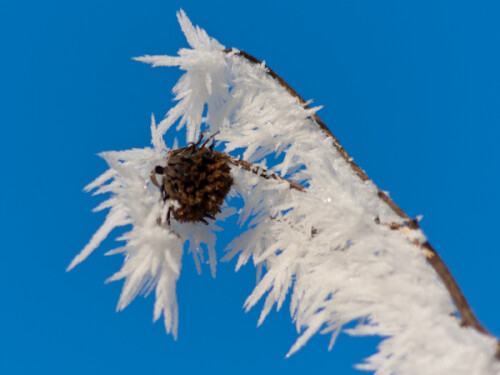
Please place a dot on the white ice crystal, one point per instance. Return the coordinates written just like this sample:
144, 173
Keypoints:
153, 252
325, 246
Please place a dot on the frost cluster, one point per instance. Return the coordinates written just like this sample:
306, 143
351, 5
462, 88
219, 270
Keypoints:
325, 246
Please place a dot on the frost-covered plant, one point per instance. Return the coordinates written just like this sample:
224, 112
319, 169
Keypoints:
334, 241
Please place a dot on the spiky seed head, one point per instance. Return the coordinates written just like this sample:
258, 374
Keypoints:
198, 179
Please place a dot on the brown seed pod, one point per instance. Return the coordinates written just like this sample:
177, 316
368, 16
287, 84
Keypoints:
198, 179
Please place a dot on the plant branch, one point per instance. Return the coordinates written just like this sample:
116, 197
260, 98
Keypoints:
261, 172
466, 313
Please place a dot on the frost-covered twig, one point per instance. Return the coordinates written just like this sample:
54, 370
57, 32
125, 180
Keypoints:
466, 313
343, 250
359, 172
259, 171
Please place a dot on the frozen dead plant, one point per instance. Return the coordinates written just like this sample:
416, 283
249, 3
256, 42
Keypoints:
318, 228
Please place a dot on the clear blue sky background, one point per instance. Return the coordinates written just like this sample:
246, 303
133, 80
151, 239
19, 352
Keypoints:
411, 91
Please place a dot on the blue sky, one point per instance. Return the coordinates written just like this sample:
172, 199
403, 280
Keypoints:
412, 91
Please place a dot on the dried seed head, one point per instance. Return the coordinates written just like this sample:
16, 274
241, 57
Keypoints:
198, 179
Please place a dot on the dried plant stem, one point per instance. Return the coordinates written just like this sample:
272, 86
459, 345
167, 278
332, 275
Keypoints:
261, 172
466, 313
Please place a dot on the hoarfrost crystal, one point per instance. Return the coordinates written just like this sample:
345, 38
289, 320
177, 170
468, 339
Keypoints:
326, 247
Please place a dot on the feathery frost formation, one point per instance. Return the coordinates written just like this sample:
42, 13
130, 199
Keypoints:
328, 247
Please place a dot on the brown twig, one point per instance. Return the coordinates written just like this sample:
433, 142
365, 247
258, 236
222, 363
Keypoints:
468, 317
261, 172
466, 313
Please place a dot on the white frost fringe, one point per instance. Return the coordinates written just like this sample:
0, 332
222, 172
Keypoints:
324, 245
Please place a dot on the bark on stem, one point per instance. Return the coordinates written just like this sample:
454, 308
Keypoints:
466, 313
